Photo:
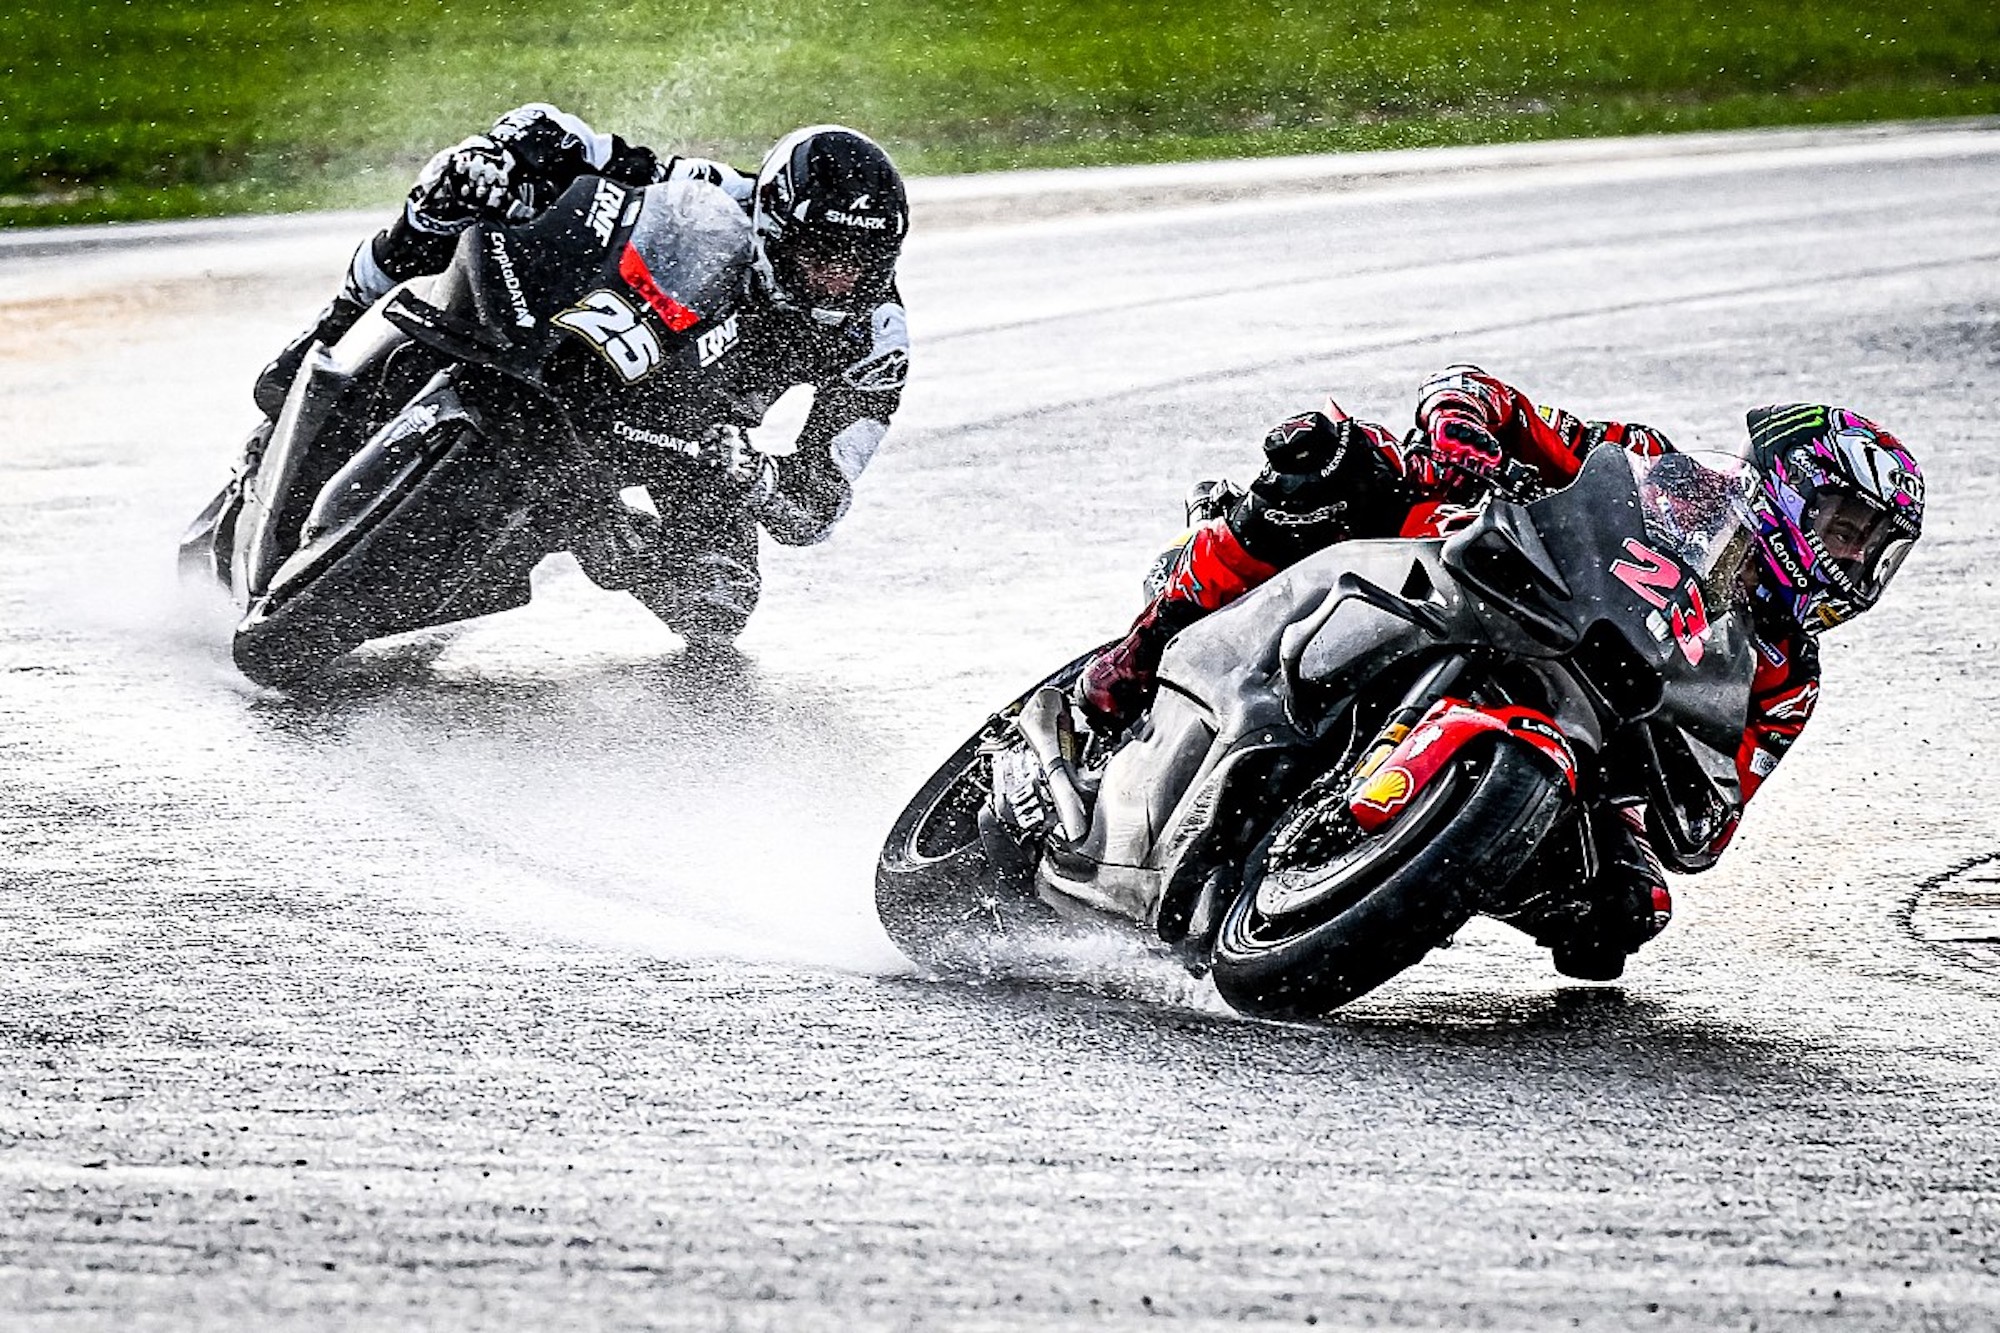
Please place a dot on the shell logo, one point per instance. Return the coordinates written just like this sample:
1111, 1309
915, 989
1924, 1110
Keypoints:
1387, 790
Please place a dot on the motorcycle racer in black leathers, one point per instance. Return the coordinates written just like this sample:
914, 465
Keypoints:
807, 249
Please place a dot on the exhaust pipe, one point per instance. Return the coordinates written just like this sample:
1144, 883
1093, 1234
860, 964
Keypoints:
1045, 724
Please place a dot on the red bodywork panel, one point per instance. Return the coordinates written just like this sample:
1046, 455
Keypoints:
1436, 518
1442, 733
632, 268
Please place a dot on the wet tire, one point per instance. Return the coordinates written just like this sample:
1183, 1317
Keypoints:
1321, 921
938, 892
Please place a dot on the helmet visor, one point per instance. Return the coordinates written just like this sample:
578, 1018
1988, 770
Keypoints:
833, 267
824, 279
1863, 545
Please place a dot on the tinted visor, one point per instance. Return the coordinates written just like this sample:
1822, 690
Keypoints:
1861, 541
832, 266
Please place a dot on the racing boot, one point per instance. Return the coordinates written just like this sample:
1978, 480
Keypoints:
276, 380
1210, 570
1119, 683
1623, 906
706, 600
619, 545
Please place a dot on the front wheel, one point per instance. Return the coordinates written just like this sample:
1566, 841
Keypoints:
1328, 913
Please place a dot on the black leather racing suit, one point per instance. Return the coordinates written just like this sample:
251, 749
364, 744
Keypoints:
696, 564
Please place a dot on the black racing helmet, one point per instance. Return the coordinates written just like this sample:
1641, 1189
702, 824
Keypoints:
828, 217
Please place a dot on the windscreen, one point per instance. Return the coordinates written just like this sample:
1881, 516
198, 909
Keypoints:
1697, 508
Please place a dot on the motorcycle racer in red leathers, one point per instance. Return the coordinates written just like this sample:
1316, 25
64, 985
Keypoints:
1839, 504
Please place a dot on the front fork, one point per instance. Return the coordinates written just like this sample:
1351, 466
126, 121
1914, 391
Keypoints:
1433, 685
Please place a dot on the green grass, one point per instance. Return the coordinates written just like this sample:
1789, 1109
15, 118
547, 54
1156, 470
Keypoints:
154, 108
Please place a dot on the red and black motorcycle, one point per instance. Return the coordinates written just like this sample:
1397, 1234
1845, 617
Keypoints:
1345, 765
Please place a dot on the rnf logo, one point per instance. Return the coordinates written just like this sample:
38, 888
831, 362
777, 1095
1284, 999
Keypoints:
605, 206
712, 345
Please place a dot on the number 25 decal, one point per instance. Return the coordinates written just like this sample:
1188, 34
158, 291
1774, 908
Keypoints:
1656, 578
614, 328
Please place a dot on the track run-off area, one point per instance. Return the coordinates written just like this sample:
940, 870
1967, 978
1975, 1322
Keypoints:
526, 976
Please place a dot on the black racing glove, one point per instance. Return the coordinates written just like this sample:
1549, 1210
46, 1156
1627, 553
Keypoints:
1318, 475
474, 178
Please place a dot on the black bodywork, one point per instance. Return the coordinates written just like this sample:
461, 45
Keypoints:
464, 427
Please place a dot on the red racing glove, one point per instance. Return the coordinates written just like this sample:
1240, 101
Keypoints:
1466, 455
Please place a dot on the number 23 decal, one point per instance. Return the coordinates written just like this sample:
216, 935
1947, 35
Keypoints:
606, 322
1655, 578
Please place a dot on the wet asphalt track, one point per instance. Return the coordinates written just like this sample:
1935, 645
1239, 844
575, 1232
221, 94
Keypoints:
527, 977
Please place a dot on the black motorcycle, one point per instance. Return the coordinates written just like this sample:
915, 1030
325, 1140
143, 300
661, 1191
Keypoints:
469, 423
1344, 766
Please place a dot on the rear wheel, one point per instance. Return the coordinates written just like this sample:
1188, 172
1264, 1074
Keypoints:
1328, 912
938, 892
941, 892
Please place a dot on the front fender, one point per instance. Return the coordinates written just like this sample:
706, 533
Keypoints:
1385, 789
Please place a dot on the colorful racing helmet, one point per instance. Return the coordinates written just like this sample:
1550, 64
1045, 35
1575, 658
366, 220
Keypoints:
1840, 505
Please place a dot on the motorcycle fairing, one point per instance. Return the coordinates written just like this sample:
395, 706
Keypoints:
522, 275
374, 476
1524, 581
325, 379
1216, 713
260, 546
1602, 619
694, 243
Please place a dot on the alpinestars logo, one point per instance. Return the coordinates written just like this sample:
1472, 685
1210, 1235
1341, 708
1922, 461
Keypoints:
1292, 427
1280, 518
1796, 706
